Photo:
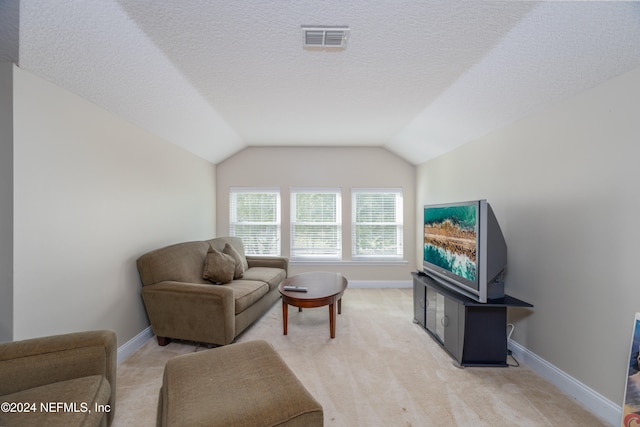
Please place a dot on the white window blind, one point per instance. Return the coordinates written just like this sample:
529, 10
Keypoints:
316, 226
255, 218
377, 223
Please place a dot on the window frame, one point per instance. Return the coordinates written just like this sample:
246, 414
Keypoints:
297, 253
249, 246
398, 249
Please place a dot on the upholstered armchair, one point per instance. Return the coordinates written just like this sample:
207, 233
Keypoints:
65, 380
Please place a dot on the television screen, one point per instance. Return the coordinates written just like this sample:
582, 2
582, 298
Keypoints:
464, 248
450, 239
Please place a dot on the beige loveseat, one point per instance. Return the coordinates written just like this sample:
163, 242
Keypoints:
60, 380
182, 304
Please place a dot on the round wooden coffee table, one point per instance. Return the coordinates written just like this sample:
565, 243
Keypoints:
323, 288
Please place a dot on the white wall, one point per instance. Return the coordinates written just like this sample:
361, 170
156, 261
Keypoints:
9, 30
564, 186
92, 193
344, 167
6, 201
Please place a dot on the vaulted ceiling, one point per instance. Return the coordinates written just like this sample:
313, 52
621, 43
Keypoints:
416, 77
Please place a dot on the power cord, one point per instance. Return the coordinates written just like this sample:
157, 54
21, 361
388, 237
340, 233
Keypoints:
509, 352
517, 364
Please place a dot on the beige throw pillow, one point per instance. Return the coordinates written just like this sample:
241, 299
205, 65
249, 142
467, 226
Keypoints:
233, 253
218, 267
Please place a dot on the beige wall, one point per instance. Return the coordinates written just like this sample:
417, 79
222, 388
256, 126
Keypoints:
343, 167
563, 184
6, 201
92, 193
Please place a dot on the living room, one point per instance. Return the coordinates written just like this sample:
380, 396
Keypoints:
85, 192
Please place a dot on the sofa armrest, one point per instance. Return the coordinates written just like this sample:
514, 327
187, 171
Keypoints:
269, 261
183, 310
40, 361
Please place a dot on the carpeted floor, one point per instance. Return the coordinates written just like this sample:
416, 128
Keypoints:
380, 370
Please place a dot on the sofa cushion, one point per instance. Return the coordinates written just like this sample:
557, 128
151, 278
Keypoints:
182, 262
218, 267
81, 395
273, 276
247, 292
233, 253
219, 243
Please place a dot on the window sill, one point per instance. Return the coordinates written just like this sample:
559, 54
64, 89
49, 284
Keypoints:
381, 261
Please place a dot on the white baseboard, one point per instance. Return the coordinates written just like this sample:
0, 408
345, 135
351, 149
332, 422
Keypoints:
597, 404
380, 284
130, 347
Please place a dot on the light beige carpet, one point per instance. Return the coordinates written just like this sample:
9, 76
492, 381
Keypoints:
380, 370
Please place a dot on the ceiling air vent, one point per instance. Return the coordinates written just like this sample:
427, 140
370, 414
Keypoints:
323, 36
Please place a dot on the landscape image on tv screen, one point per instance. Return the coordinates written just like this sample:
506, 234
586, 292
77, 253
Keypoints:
450, 239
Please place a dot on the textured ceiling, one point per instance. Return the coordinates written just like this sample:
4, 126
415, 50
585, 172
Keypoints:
419, 78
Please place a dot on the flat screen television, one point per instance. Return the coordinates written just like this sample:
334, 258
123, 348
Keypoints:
464, 249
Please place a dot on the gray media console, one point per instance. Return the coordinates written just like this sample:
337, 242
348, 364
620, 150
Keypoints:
475, 334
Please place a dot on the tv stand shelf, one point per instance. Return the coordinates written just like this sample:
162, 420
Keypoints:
473, 333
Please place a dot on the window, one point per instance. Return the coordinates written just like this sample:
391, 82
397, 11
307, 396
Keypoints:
316, 229
377, 223
255, 218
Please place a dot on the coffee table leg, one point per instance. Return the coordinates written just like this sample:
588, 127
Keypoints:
332, 320
340, 306
285, 316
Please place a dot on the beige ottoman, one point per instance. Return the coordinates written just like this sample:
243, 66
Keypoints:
245, 384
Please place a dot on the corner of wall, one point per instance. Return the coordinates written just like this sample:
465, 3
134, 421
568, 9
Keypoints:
6, 201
